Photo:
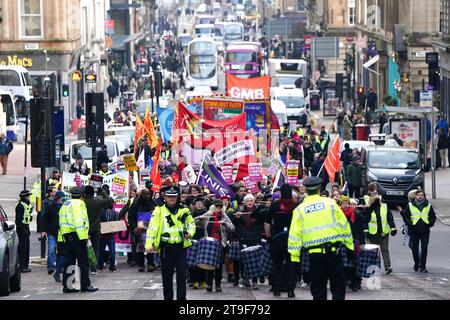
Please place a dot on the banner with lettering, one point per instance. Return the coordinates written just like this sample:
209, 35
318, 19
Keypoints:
227, 173
221, 109
292, 172
255, 172
248, 89
251, 185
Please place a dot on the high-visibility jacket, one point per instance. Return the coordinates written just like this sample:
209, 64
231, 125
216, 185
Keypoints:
36, 194
373, 226
55, 183
170, 228
104, 174
26, 212
300, 131
323, 144
73, 217
317, 221
416, 214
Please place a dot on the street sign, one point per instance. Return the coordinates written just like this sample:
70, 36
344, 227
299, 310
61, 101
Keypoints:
109, 24
91, 78
325, 48
371, 62
76, 76
426, 99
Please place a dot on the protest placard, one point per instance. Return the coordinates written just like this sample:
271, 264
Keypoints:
251, 185
96, 181
255, 172
189, 174
130, 162
112, 226
227, 173
292, 172
118, 185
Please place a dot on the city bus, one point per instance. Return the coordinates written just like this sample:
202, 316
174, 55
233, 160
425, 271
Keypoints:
8, 122
205, 19
205, 30
243, 60
233, 31
202, 63
18, 80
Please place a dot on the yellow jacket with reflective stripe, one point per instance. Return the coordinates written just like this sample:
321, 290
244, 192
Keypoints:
26, 213
373, 226
416, 214
73, 217
316, 221
159, 226
104, 174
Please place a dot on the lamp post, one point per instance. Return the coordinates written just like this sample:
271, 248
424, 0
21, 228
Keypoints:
47, 78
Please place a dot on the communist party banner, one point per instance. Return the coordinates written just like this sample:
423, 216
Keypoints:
248, 89
221, 109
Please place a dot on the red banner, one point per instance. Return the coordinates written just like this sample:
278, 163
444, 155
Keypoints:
248, 89
333, 162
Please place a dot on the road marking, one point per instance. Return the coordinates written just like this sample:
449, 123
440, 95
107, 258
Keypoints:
8, 200
444, 279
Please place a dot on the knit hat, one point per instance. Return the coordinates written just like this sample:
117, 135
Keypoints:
343, 199
286, 191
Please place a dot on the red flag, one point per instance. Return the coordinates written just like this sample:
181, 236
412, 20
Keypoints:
332, 163
155, 175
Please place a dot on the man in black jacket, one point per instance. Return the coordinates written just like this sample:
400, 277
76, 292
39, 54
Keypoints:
23, 219
94, 206
346, 157
144, 204
420, 217
102, 157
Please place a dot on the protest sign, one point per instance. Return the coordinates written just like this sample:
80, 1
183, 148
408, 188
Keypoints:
251, 185
122, 238
211, 177
221, 109
189, 174
118, 185
130, 162
112, 226
96, 181
292, 172
227, 173
255, 172
234, 151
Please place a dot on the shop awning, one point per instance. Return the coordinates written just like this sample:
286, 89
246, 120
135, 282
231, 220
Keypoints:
119, 41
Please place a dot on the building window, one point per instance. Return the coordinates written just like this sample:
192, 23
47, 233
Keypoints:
301, 6
30, 18
351, 12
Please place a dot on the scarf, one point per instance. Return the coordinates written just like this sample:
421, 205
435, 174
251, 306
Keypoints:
216, 234
250, 220
287, 205
350, 214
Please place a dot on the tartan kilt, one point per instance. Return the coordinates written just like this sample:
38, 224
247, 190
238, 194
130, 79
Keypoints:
192, 254
234, 250
304, 260
346, 263
266, 260
367, 259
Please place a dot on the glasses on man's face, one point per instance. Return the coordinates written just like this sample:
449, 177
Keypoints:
219, 206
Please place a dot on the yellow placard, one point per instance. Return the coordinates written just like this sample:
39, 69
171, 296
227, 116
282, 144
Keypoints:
130, 162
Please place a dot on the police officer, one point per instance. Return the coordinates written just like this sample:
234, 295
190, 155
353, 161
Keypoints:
23, 218
320, 227
55, 180
169, 232
74, 228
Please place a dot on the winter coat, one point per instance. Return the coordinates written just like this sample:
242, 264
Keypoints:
225, 229
347, 129
249, 228
354, 172
421, 226
94, 206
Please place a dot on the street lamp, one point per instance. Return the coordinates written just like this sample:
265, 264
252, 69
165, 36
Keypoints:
47, 59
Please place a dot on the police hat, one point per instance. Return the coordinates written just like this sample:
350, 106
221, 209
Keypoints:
25, 193
312, 183
172, 192
76, 191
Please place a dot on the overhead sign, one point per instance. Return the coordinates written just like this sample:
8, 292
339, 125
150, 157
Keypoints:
91, 78
371, 62
76, 76
325, 48
16, 61
426, 99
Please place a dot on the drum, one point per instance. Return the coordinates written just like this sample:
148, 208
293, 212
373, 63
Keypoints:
208, 253
192, 254
370, 255
346, 263
234, 250
252, 262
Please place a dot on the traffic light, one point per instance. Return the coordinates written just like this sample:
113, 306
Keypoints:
42, 133
65, 90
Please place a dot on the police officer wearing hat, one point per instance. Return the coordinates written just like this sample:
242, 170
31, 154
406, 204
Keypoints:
169, 232
74, 228
320, 227
23, 218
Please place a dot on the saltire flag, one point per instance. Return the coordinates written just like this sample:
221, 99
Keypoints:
332, 163
211, 177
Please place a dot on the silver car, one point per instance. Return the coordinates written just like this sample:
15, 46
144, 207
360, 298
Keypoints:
10, 277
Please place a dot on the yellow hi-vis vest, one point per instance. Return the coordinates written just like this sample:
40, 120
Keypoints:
300, 131
55, 183
323, 144
416, 214
373, 226
26, 213
104, 174
318, 221
159, 229
73, 217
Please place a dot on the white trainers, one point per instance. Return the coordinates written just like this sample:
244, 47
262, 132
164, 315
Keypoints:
304, 285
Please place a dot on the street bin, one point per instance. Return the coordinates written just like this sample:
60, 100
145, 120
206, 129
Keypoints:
362, 132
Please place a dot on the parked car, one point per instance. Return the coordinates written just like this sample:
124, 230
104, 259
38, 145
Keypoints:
10, 275
396, 171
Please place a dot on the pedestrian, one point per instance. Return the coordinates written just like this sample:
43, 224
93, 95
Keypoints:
80, 110
49, 226
277, 224
249, 227
217, 225
339, 120
94, 206
197, 276
320, 227
380, 223
354, 182
55, 180
420, 217
143, 205
79, 166
442, 124
382, 120
131, 256
346, 158
74, 228
372, 100
347, 128
111, 90
102, 157
59, 253
108, 214
6, 146
23, 218
442, 147
170, 229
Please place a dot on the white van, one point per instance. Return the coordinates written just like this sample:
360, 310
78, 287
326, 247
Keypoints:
294, 100
279, 108
205, 30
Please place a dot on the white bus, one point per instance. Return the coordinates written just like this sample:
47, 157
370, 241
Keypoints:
205, 30
18, 80
8, 122
233, 31
202, 64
